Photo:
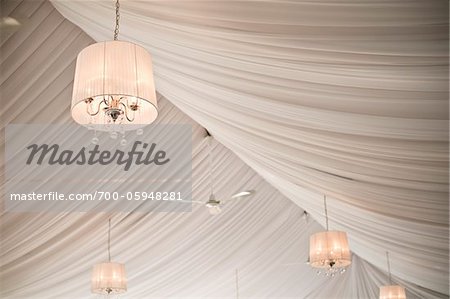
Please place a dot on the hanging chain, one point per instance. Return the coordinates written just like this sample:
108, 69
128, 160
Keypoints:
211, 165
116, 30
389, 267
109, 240
326, 210
237, 284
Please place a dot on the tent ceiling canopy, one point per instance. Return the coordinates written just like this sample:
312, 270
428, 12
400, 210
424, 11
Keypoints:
305, 98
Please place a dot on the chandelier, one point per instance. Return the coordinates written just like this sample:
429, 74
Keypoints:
391, 291
113, 85
109, 278
329, 250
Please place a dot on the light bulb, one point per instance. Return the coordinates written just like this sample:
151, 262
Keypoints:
113, 135
139, 132
94, 140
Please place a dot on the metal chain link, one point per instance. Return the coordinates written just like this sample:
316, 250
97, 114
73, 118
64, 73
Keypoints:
326, 210
210, 154
116, 30
389, 267
109, 240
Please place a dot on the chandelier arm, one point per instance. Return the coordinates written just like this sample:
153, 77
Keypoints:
98, 108
116, 30
125, 109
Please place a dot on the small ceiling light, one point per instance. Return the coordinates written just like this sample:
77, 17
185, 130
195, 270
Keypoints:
391, 291
114, 85
329, 250
9, 25
109, 278
213, 205
8, 21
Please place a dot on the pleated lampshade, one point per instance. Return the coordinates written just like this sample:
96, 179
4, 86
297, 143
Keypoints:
392, 292
329, 249
114, 78
109, 278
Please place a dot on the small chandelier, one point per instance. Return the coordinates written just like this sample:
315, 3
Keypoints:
391, 291
329, 250
109, 278
113, 85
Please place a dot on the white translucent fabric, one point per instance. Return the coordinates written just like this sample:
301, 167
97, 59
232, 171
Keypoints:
348, 100
119, 69
392, 292
109, 278
317, 97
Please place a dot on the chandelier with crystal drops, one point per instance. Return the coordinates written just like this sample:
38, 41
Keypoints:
329, 250
109, 278
113, 85
391, 291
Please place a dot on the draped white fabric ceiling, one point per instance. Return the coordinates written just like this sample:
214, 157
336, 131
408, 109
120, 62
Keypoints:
344, 99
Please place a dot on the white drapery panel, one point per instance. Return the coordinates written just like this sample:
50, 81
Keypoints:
318, 97
41, 254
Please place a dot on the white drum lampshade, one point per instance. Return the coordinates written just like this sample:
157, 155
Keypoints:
109, 278
392, 292
329, 249
114, 85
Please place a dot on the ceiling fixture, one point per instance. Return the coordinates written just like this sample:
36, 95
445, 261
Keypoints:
214, 205
391, 291
329, 250
109, 278
9, 24
114, 85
